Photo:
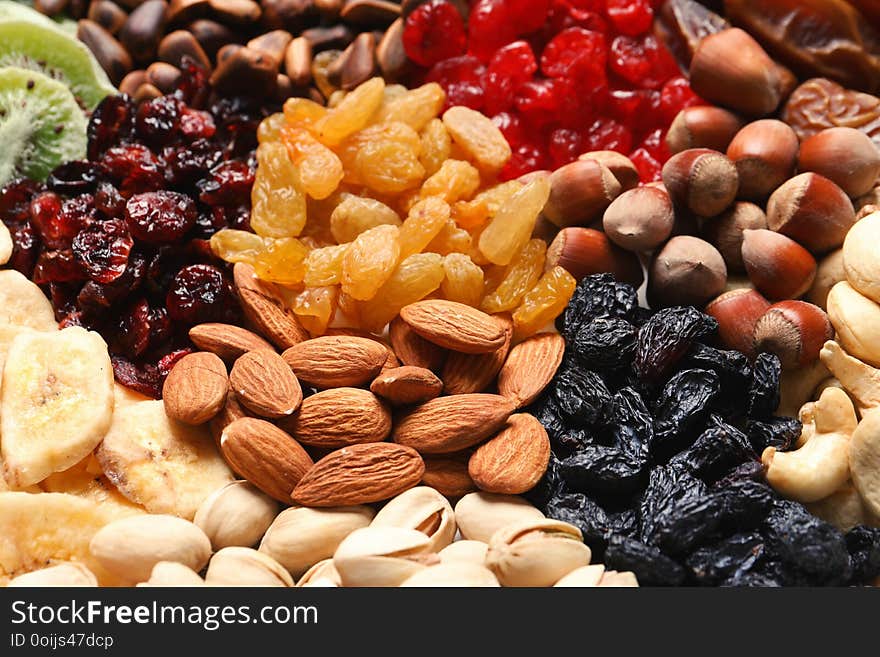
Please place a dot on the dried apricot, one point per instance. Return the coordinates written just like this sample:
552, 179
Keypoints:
543, 303
278, 205
464, 280
369, 261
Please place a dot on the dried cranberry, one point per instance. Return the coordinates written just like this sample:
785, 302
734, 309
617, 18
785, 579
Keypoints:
238, 217
539, 101
160, 327
196, 124
631, 17
103, 249
45, 216
201, 293
525, 158
57, 267
134, 168
74, 318
132, 330
642, 61
655, 144
510, 67
490, 27
76, 177
637, 108
186, 164
144, 379
511, 127
25, 247
168, 361
649, 169
462, 79
94, 295
565, 145
160, 217
608, 135
676, 95
433, 32
15, 200
108, 201
112, 122
192, 86
229, 183
575, 53
158, 120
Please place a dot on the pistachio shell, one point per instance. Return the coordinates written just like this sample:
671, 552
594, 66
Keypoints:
236, 514
613, 578
480, 515
585, 576
64, 574
454, 574
171, 573
382, 556
241, 566
323, 571
424, 509
467, 551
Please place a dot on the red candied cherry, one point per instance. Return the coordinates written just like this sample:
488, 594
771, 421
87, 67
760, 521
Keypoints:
637, 108
631, 17
608, 135
675, 96
649, 169
564, 146
200, 293
490, 26
642, 61
57, 267
461, 79
434, 31
103, 250
573, 13
655, 145
528, 15
160, 217
575, 53
526, 157
510, 67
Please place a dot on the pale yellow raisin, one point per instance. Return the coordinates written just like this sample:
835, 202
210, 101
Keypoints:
278, 205
320, 170
355, 214
517, 278
416, 107
413, 280
464, 280
426, 219
391, 93
370, 261
436, 145
478, 137
454, 181
303, 112
236, 245
282, 261
388, 167
314, 307
451, 239
270, 128
352, 114
543, 303
396, 133
511, 227
324, 266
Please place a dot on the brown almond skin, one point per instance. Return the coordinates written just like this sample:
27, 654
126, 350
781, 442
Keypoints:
264, 383
454, 325
514, 461
737, 312
448, 474
795, 331
413, 349
360, 474
779, 267
340, 417
230, 412
227, 341
530, 367
195, 389
266, 456
336, 361
467, 373
451, 424
406, 385
263, 308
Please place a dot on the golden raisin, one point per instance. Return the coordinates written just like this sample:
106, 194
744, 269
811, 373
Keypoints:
454, 181
426, 219
314, 307
236, 245
303, 112
324, 266
416, 107
510, 228
270, 128
281, 261
516, 279
436, 145
370, 260
352, 114
319, 168
278, 205
464, 280
388, 168
451, 239
355, 214
413, 280
543, 303
478, 137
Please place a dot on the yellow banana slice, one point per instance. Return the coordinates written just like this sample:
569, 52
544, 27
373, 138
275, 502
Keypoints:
5, 244
86, 479
22, 303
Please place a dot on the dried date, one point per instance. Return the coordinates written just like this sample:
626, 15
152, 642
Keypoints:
820, 103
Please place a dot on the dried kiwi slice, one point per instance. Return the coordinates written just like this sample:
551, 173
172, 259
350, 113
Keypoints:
32, 44
41, 125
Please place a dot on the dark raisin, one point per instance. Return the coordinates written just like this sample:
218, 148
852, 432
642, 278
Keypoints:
718, 449
632, 427
582, 397
863, 545
650, 565
550, 485
749, 579
778, 432
596, 296
599, 468
585, 514
665, 338
745, 504
605, 343
160, 217
75, 177
103, 250
733, 370
764, 391
714, 563
681, 408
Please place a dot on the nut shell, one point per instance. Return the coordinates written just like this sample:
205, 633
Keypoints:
795, 331
812, 210
845, 156
726, 232
737, 312
640, 219
779, 267
687, 271
702, 180
580, 192
702, 126
765, 155
585, 251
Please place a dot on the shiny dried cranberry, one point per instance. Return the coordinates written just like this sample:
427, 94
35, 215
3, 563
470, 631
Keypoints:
229, 183
132, 331
637, 108
73, 318
63, 297
238, 217
57, 267
112, 122
201, 293
25, 246
76, 177
15, 200
144, 379
494, 23
167, 362
525, 158
642, 61
565, 145
511, 127
539, 101
510, 67
209, 222
192, 85
160, 327
186, 164
676, 95
434, 31
631, 17
103, 249
608, 135
45, 216
196, 124
655, 144
158, 120
160, 217
94, 295
462, 79
108, 201
575, 53
649, 169
134, 168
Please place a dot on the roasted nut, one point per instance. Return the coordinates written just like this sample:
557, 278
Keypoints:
467, 551
844, 509
238, 514
813, 210
407, 385
737, 312
845, 156
322, 574
242, 566
612, 578
423, 509
107, 14
141, 33
238, 12
725, 232
779, 267
132, 82
580, 192
619, 164
859, 380
211, 35
640, 219
536, 553
382, 556
584, 251
298, 61
793, 330
864, 461
195, 389
856, 319
514, 461
861, 262
702, 180
765, 154
246, 72
448, 474
479, 515
799, 386
179, 44
264, 383
453, 574
829, 273
171, 573
356, 64
702, 127
111, 55
686, 271
64, 574
163, 76
272, 44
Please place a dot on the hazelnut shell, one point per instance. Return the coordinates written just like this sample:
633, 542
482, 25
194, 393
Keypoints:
779, 267
737, 312
793, 330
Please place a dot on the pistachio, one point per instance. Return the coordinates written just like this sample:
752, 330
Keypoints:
536, 552
171, 573
585, 576
323, 573
130, 547
236, 514
467, 551
454, 574
64, 574
241, 566
301, 537
613, 578
424, 509
480, 515
382, 556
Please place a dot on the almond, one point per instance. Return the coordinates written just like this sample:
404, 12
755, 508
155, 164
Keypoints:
514, 460
412, 349
454, 326
391, 358
265, 385
266, 456
195, 389
407, 385
340, 417
466, 373
227, 341
278, 324
530, 367
230, 412
360, 474
450, 424
336, 361
449, 474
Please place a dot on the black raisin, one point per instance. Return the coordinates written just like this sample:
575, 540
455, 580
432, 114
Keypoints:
606, 343
665, 338
585, 514
650, 565
718, 449
681, 408
750, 579
764, 391
863, 545
712, 564
550, 485
582, 397
596, 296
778, 432
745, 504
603, 469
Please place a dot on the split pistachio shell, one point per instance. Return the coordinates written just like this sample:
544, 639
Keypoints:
536, 552
454, 574
241, 566
237, 514
382, 556
171, 573
64, 574
612, 578
323, 571
480, 515
856, 319
424, 509
864, 461
301, 537
585, 576
467, 551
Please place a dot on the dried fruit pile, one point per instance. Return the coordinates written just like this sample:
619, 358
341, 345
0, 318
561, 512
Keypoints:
118, 241
559, 77
377, 202
656, 434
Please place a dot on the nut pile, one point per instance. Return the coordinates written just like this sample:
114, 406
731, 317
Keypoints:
267, 49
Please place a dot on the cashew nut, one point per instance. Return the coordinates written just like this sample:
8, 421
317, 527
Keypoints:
798, 385
864, 460
821, 465
844, 509
856, 319
859, 379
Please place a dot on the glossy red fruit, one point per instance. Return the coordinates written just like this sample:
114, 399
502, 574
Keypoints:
575, 53
434, 31
632, 17
461, 79
510, 67
160, 217
103, 250
675, 96
641, 61
201, 293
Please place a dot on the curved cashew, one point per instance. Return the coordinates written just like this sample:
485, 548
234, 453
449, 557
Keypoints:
798, 385
821, 466
807, 418
864, 459
859, 379
844, 509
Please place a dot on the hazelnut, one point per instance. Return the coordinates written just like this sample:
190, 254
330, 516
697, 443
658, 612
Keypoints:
702, 126
702, 180
640, 219
737, 312
765, 154
845, 156
726, 231
779, 267
731, 69
584, 251
861, 262
828, 274
795, 331
686, 271
619, 164
813, 210
580, 192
